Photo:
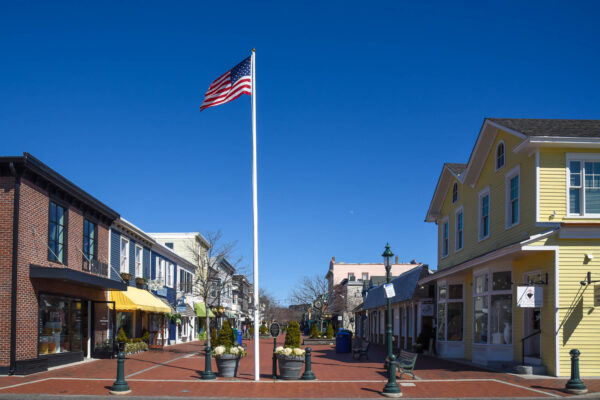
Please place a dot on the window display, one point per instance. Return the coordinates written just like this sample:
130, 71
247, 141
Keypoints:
450, 313
455, 321
441, 329
493, 325
125, 321
59, 325
481, 319
501, 319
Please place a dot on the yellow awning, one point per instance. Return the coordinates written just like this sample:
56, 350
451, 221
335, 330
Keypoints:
137, 299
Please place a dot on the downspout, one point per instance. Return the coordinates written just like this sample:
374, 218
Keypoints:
15, 259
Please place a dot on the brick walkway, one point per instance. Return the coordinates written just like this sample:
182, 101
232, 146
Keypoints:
175, 371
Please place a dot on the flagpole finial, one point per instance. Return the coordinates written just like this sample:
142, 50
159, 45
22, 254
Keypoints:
254, 50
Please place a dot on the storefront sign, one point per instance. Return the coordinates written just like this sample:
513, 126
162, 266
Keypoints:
596, 295
427, 309
162, 292
180, 305
530, 296
274, 329
389, 290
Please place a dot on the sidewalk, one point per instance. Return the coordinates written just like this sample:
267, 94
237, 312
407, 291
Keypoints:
176, 370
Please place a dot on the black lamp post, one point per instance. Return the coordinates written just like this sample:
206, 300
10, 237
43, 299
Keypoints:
391, 388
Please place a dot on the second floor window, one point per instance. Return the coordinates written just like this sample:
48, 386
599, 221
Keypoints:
170, 275
124, 265
445, 239
351, 276
454, 193
584, 187
89, 240
513, 201
139, 258
484, 216
459, 230
365, 276
500, 155
57, 233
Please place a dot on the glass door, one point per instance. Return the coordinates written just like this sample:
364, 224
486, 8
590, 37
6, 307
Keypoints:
103, 329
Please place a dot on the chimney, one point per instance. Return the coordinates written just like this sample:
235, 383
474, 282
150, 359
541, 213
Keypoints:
414, 261
396, 259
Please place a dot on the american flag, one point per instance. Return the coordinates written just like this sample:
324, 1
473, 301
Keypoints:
229, 86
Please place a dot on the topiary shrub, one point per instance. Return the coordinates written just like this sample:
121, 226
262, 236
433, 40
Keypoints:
263, 329
329, 332
314, 332
122, 337
214, 340
292, 337
226, 335
145, 335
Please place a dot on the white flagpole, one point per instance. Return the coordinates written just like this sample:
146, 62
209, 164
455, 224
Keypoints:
255, 224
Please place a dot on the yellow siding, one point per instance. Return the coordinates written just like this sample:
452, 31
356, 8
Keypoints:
553, 185
469, 199
542, 261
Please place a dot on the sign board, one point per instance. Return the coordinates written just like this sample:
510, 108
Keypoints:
427, 308
162, 292
339, 317
274, 329
596, 295
530, 296
389, 290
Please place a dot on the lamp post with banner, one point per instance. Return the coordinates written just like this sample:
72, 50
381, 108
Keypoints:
391, 388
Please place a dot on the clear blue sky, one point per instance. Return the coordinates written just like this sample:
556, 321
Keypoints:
359, 105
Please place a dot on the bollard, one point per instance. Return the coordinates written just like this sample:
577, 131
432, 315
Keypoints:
575, 385
274, 359
391, 388
120, 386
208, 374
308, 374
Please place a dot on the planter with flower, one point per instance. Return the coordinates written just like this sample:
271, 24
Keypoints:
290, 357
227, 353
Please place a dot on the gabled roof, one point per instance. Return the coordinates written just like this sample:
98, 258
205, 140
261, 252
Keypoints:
551, 127
456, 168
449, 171
404, 286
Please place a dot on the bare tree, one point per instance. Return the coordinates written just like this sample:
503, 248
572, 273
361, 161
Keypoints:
209, 282
314, 292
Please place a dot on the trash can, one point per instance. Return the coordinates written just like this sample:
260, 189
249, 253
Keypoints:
239, 337
342, 342
234, 333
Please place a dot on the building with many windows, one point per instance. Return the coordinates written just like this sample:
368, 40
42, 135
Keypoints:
519, 235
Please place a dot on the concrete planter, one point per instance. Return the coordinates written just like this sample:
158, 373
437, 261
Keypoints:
228, 365
290, 367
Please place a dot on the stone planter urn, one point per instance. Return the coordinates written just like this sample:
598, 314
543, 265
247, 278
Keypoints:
227, 365
290, 367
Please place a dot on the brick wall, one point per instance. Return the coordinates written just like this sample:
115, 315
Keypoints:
6, 231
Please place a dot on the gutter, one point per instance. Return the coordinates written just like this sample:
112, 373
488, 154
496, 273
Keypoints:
15, 259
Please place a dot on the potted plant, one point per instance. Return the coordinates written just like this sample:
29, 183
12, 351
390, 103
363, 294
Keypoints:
227, 353
126, 276
140, 281
290, 356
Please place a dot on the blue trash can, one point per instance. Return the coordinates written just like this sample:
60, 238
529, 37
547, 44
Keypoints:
239, 337
342, 342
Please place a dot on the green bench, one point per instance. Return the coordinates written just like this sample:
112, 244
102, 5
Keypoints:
406, 363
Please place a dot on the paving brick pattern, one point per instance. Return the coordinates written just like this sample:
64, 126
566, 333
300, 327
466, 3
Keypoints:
176, 370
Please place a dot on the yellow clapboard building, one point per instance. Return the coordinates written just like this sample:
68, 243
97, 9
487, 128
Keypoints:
519, 247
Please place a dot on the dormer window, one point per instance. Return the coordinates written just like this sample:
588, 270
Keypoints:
500, 155
454, 192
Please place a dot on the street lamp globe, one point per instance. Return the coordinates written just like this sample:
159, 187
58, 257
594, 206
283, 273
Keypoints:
387, 256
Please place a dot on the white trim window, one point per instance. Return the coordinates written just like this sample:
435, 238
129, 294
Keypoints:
484, 214
445, 237
492, 307
365, 276
160, 270
459, 228
500, 155
450, 317
513, 195
170, 273
124, 256
583, 185
139, 261
455, 192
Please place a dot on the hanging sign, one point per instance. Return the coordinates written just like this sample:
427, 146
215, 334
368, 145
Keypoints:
389, 290
274, 329
596, 295
530, 296
180, 305
427, 308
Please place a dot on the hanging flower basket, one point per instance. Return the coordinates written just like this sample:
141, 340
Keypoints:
140, 281
126, 276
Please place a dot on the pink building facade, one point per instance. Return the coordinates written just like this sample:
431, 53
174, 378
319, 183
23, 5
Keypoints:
338, 271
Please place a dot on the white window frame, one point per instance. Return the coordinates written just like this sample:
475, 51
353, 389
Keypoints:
363, 276
160, 270
124, 258
516, 171
454, 186
581, 157
448, 300
489, 272
482, 194
459, 210
139, 264
496, 167
445, 221
170, 270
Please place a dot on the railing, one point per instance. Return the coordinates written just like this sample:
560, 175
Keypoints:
95, 267
523, 345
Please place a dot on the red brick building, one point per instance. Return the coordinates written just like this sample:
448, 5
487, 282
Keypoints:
54, 276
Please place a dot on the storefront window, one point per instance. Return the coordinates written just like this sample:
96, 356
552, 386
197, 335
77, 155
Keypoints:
441, 321
481, 283
501, 319
481, 319
125, 321
455, 321
501, 280
450, 312
59, 324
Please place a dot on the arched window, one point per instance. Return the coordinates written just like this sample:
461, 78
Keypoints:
500, 155
454, 192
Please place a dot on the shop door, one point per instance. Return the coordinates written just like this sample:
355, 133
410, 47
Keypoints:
532, 325
103, 329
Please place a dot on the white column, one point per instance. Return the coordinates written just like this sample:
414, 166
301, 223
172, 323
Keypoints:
89, 328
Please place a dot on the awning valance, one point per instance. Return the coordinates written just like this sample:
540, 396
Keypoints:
137, 299
200, 309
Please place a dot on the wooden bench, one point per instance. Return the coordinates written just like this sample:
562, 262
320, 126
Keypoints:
406, 363
361, 350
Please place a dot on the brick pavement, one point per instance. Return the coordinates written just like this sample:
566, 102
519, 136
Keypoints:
175, 371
